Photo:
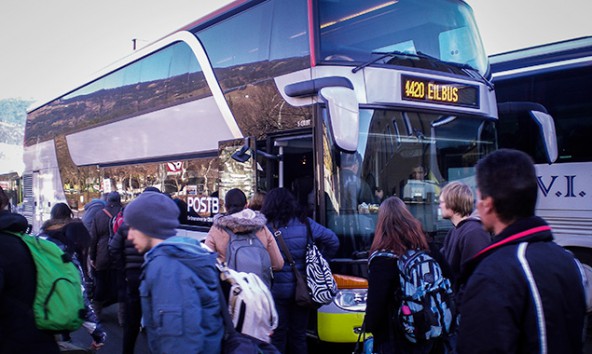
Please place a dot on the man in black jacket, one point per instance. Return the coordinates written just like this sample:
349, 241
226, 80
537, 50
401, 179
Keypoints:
18, 333
524, 292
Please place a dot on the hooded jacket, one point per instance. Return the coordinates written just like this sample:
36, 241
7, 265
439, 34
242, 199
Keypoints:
499, 312
244, 221
90, 210
100, 233
180, 303
18, 333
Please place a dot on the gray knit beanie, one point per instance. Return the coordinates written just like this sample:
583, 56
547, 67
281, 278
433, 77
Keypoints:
153, 213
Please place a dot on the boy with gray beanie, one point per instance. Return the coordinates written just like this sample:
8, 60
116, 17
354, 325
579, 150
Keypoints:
179, 280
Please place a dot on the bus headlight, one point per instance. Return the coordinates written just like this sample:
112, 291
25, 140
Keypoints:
352, 299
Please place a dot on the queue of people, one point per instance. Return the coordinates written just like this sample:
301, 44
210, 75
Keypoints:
515, 290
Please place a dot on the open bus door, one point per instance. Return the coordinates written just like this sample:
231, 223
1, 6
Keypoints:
284, 160
294, 167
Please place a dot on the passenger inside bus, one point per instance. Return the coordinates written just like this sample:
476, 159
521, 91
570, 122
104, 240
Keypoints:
418, 188
354, 190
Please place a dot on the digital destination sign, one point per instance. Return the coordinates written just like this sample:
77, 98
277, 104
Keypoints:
440, 92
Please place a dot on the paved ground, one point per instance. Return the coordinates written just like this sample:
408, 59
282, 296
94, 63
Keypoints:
114, 333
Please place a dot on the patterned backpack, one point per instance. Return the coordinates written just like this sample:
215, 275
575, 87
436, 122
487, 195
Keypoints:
427, 308
427, 301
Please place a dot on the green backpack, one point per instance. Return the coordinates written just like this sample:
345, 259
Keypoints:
58, 304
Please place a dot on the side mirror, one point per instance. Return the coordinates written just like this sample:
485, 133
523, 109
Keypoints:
525, 115
242, 155
547, 129
344, 116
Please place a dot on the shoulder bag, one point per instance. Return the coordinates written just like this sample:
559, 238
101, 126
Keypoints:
302, 295
319, 278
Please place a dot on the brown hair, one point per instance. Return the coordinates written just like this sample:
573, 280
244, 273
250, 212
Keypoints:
256, 201
458, 197
396, 229
4, 201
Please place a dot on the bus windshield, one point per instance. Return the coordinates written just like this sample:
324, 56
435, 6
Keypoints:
362, 31
406, 154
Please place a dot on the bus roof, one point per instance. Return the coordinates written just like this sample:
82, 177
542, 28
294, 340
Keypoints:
542, 54
217, 15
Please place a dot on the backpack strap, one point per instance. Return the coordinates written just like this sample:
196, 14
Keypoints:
15, 233
108, 213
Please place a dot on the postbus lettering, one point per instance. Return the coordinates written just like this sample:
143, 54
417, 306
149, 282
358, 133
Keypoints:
203, 205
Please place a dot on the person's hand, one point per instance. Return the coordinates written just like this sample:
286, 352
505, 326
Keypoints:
96, 346
99, 338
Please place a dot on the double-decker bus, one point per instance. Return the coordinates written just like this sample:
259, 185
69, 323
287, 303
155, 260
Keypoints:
557, 76
302, 94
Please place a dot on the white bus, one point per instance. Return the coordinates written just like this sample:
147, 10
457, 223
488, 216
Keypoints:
289, 93
557, 76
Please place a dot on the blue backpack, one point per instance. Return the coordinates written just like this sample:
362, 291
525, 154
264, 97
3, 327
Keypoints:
427, 301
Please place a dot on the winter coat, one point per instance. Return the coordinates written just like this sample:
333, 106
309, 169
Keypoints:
245, 221
90, 210
499, 312
18, 333
99, 234
122, 251
295, 236
383, 285
180, 303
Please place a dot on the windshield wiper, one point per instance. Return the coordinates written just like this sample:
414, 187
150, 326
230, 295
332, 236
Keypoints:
383, 55
466, 68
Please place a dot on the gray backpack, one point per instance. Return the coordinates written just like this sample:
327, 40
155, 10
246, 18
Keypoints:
246, 253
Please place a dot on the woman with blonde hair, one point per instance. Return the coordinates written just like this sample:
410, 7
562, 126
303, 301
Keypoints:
397, 231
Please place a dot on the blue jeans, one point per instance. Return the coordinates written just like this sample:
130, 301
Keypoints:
290, 335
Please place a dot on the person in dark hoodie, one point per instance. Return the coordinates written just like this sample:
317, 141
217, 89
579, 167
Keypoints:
90, 210
129, 261
18, 332
180, 303
467, 237
73, 238
524, 292
105, 272
241, 220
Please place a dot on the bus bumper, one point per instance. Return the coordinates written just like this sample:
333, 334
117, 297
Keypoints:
336, 325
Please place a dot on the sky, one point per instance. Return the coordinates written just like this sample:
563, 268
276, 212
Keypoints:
48, 47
